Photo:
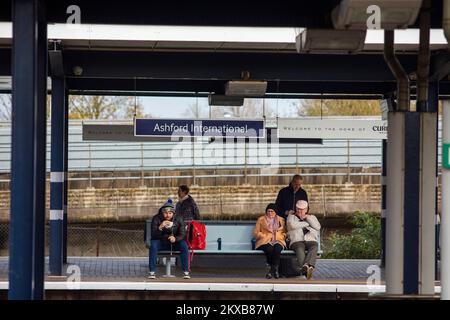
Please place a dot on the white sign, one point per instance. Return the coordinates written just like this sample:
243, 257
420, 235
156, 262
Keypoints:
332, 129
115, 132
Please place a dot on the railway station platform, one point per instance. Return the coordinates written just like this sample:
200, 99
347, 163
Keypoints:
126, 278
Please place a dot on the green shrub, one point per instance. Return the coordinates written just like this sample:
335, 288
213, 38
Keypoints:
363, 242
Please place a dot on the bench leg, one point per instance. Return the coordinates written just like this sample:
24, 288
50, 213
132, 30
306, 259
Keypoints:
168, 262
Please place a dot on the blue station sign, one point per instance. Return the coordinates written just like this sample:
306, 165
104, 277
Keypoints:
199, 128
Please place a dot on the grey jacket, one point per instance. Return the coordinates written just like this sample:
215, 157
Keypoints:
295, 228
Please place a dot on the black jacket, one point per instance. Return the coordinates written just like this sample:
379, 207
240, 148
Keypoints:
286, 200
178, 229
188, 209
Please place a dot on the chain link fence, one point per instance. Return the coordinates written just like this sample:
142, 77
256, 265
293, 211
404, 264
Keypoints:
127, 240
94, 240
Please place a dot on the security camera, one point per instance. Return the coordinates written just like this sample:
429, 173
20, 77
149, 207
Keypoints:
77, 70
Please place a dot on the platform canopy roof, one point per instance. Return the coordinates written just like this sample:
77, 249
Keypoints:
195, 47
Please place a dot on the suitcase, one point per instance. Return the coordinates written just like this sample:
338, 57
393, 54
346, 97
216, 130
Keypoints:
289, 267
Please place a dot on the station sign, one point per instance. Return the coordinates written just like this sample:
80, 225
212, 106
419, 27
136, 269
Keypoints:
332, 129
199, 128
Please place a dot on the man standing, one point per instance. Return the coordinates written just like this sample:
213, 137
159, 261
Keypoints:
168, 233
289, 196
186, 206
303, 231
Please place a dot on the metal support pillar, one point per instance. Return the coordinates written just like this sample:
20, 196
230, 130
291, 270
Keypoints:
28, 162
428, 183
57, 176
445, 211
66, 174
394, 203
383, 201
411, 206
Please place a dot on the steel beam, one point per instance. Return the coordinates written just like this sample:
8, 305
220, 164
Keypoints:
57, 176
27, 225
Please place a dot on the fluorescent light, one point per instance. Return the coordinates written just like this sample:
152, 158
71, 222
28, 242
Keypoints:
395, 14
330, 41
246, 88
227, 101
6, 83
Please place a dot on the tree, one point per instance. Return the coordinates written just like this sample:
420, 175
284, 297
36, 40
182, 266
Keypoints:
87, 107
134, 108
252, 108
338, 108
103, 107
5, 107
194, 110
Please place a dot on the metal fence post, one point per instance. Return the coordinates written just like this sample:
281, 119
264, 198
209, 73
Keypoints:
90, 166
154, 179
323, 202
97, 243
348, 162
245, 163
220, 202
194, 182
142, 164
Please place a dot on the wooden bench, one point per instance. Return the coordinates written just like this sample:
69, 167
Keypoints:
225, 238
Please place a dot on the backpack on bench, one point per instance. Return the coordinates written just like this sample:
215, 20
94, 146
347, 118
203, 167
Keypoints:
195, 238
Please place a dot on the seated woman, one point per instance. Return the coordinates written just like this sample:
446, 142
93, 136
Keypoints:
270, 237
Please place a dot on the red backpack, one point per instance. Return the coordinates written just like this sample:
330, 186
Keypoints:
196, 235
195, 238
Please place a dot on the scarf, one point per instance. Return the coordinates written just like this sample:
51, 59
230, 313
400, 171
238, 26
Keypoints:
272, 223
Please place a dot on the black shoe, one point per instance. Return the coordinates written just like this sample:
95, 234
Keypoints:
276, 275
269, 275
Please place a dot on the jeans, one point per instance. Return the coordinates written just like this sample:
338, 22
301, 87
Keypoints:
300, 247
157, 245
272, 253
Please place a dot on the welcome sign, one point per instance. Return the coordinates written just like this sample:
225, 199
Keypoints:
198, 128
332, 129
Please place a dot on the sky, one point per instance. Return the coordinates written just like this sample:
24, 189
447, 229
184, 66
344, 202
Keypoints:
180, 107
176, 107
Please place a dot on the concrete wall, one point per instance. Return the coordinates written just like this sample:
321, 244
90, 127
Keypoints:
216, 202
166, 178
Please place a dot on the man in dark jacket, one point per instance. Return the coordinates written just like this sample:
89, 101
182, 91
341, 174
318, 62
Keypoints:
168, 233
186, 206
289, 196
